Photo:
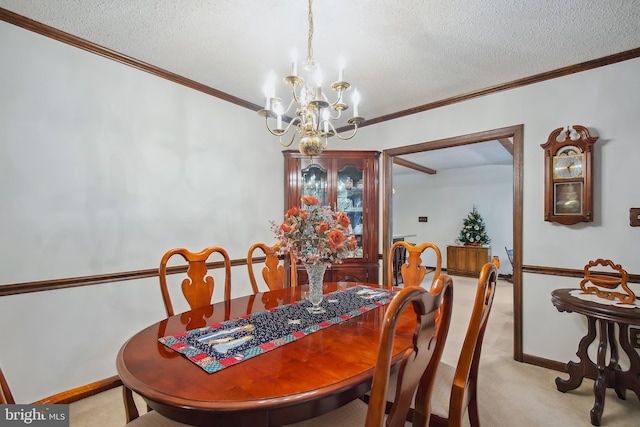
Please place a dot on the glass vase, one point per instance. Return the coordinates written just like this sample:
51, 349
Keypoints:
315, 272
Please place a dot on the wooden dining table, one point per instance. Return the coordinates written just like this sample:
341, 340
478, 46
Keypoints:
296, 381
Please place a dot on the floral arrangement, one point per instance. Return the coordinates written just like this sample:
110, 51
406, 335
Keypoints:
315, 233
473, 230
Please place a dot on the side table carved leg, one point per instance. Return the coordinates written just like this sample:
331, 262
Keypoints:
631, 378
614, 368
600, 385
577, 371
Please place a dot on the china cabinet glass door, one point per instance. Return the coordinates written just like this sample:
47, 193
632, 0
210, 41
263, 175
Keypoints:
314, 183
350, 201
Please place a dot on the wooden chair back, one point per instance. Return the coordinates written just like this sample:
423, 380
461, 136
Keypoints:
418, 366
463, 394
6, 398
197, 289
273, 272
412, 270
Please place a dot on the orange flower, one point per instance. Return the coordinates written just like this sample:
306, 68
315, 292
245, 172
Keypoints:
336, 240
292, 212
310, 200
322, 227
304, 214
352, 242
285, 227
343, 219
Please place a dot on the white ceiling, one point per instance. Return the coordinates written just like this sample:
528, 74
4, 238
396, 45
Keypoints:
400, 54
482, 153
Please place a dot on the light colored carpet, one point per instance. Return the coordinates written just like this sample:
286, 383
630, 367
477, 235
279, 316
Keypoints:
510, 393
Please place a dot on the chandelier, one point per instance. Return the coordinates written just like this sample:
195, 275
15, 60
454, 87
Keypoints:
314, 114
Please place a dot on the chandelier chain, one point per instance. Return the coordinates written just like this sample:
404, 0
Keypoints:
309, 47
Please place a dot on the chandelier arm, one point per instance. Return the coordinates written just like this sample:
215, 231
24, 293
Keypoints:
344, 138
280, 133
291, 103
294, 95
293, 137
337, 116
339, 99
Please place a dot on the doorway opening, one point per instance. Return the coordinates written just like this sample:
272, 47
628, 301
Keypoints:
515, 133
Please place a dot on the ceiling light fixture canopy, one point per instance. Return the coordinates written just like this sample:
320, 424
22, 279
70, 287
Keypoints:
313, 112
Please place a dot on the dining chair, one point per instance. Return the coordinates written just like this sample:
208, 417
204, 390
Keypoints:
197, 289
273, 272
412, 270
432, 310
150, 419
6, 398
455, 390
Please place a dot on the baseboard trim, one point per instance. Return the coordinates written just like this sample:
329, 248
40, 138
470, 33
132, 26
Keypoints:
544, 363
82, 392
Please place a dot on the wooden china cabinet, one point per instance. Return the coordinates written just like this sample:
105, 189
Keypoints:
348, 182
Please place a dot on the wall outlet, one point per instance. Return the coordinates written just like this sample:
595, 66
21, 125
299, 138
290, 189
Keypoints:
634, 337
423, 219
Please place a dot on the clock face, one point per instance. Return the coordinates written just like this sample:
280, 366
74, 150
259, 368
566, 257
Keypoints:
568, 150
567, 166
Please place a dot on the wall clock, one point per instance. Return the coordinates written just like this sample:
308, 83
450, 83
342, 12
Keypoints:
568, 175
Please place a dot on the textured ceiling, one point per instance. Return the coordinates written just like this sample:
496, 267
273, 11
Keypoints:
400, 54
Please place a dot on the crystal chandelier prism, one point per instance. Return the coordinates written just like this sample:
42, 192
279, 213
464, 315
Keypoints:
314, 114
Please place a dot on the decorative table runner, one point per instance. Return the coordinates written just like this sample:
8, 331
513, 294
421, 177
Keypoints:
221, 345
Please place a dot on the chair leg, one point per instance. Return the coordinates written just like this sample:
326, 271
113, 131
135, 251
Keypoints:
474, 418
436, 421
130, 408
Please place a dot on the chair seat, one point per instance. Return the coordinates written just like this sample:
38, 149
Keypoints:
154, 419
442, 390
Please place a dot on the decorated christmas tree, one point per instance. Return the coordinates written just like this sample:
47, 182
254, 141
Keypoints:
473, 230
